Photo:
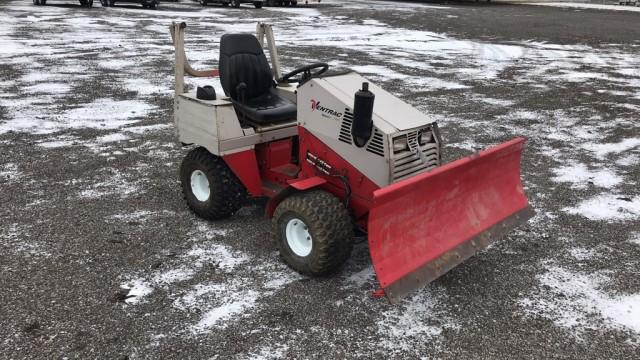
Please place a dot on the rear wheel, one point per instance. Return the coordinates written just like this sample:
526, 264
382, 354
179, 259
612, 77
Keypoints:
235, 3
225, 4
210, 188
314, 232
36, 2
258, 4
104, 3
203, 2
112, 2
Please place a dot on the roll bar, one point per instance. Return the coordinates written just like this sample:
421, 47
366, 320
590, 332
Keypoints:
182, 66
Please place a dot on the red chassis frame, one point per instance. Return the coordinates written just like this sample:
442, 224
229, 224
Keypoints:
273, 170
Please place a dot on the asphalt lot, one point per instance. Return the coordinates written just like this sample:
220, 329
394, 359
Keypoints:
101, 258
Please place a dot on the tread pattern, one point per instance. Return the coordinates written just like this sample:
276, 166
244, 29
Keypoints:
330, 226
227, 192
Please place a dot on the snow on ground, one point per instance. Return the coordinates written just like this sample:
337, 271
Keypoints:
609, 207
120, 118
578, 5
579, 303
417, 319
580, 176
9, 172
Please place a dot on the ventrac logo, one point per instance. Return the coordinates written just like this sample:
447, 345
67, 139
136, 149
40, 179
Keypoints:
315, 105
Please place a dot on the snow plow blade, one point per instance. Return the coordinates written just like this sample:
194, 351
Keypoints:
422, 227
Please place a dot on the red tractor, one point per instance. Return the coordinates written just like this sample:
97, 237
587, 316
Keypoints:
333, 153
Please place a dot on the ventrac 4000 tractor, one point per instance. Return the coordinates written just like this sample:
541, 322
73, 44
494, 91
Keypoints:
334, 154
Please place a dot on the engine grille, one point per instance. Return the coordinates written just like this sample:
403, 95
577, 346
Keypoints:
408, 162
376, 143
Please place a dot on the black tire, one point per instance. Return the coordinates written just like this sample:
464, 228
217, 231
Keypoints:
258, 4
203, 2
226, 193
329, 225
153, 5
235, 3
294, 3
104, 3
43, 2
112, 3
36, 2
225, 4
89, 3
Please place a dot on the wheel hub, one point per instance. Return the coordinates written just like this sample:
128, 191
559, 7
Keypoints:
298, 237
200, 185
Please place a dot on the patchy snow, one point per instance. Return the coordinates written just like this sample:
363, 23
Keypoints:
360, 278
577, 301
47, 88
608, 207
497, 102
9, 172
416, 317
629, 160
582, 254
270, 352
220, 255
579, 175
635, 238
138, 289
146, 88
147, 128
602, 150
578, 5
234, 305
117, 184
115, 137
107, 114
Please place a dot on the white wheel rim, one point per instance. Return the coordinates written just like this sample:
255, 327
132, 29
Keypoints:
200, 185
298, 237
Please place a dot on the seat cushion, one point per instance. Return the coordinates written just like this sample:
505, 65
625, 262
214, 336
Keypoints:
267, 108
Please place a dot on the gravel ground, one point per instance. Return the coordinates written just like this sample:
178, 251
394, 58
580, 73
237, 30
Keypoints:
100, 257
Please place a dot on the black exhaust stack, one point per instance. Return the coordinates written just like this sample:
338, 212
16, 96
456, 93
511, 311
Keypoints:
362, 115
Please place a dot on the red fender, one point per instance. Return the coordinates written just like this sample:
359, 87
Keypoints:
294, 186
245, 166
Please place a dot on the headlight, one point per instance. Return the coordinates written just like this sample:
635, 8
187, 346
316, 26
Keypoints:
425, 137
400, 144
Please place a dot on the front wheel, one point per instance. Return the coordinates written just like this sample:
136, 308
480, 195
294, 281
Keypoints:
235, 3
203, 2
258, 4
314, 232
210, 188
104, 3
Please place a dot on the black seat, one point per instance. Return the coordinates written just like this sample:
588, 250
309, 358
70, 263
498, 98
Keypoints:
247, 79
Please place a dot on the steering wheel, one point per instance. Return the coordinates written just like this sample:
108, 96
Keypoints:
306, 73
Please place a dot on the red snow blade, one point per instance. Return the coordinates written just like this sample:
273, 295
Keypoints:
422, 227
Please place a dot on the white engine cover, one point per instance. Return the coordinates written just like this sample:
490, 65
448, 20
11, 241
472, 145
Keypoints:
325, 108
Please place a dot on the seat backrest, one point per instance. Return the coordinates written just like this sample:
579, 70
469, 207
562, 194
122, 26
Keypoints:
242, 60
